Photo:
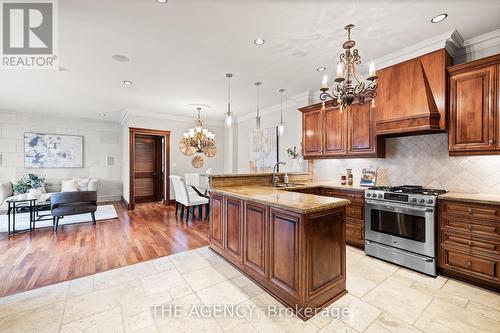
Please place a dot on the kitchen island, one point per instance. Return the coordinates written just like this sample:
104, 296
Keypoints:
291, 244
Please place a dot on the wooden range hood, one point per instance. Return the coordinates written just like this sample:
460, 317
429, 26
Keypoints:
411, 97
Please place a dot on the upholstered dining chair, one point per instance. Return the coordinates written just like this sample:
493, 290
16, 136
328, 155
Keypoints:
185, 198
72, 203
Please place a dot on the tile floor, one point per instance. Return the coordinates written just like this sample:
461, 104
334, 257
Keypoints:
382, 298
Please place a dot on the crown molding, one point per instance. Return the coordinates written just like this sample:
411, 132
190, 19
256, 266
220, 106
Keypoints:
158, 115
481, 42
450, 40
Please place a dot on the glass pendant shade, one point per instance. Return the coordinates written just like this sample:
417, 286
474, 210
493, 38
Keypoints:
229, 115
281, 126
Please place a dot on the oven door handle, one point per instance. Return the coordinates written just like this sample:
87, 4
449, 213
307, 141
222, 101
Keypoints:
391, 206
406, 253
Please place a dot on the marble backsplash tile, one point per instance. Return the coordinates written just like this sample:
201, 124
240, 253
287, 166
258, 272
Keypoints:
420, 160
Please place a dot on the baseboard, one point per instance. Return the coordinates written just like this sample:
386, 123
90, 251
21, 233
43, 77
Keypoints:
124, 203
108, 198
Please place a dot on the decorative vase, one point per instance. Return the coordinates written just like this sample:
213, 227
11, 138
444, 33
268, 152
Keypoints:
297, 164
22, 196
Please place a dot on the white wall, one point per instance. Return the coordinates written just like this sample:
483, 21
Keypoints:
270, 117
100, 139
179, 163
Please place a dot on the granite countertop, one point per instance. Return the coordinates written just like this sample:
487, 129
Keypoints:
332, 185
278, 197
493, 199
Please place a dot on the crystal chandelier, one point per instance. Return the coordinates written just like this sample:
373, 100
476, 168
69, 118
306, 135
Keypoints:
349, 85
198, 139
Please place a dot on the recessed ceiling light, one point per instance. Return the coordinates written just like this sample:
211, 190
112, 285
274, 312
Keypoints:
161, 1
127, 82
259, 41
102, 115
120, 58
439, 18
320, 69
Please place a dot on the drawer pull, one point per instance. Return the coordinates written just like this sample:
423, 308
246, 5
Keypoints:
469, 210
470, 226
469, 263
470, 243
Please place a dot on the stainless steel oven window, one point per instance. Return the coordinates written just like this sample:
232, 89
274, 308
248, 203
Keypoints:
398, 224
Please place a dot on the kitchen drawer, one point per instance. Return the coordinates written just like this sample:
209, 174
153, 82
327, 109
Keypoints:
355, 212
353, 196
471, 265
355, 233
469, 244
486, 229
472, 211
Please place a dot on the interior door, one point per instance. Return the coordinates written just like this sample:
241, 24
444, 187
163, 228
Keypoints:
147, 173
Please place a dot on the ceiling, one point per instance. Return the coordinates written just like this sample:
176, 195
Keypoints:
180, 51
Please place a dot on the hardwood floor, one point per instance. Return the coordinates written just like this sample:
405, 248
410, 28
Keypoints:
42, 257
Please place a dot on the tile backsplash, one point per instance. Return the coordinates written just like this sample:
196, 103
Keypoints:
421, 160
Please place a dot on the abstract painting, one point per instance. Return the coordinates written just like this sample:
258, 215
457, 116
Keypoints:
53, 151
263, 149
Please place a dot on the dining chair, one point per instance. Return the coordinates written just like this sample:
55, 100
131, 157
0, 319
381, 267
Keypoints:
185, 198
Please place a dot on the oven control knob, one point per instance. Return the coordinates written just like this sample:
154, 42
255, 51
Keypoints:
430, 201
422, 200
380, 196
414, 199
368, 195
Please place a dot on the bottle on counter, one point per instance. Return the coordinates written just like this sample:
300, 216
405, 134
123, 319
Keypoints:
285, 178
343, 180
350, 178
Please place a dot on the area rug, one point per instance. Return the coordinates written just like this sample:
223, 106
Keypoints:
105, 212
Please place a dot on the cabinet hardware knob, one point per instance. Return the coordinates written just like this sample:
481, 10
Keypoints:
469, 210
492, 142
470, 226
470, 243
469, 263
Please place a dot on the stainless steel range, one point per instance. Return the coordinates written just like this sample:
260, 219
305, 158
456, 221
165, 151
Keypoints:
400, 225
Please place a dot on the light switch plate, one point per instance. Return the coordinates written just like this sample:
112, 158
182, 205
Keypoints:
110, 160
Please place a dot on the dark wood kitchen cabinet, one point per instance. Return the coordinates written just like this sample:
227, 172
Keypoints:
474, 103
355, 214
469, 242
329, 133
312, 133
299, 258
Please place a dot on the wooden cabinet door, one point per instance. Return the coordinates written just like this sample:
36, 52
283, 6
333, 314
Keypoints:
255, 242
497, 120
472, 110
361, 129
284, 251
233, 228
312, 133
216, 228
335, 134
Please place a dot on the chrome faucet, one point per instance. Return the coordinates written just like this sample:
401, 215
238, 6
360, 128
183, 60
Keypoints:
276, 179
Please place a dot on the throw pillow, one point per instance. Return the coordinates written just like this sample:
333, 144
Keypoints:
83, 184
69, 185
5, 191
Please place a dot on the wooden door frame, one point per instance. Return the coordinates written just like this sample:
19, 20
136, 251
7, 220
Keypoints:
133, 131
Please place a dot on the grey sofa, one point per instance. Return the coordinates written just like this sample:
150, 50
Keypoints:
51, 186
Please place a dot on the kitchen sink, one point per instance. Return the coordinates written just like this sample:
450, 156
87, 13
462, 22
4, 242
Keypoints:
283, 185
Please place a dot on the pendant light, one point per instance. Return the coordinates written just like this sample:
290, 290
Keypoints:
229, 114
257, 118
281, 126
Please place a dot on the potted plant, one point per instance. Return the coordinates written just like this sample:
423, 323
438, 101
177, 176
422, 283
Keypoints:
25, 183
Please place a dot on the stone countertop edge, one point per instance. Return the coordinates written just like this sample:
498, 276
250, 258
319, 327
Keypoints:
481, 198
335, 203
